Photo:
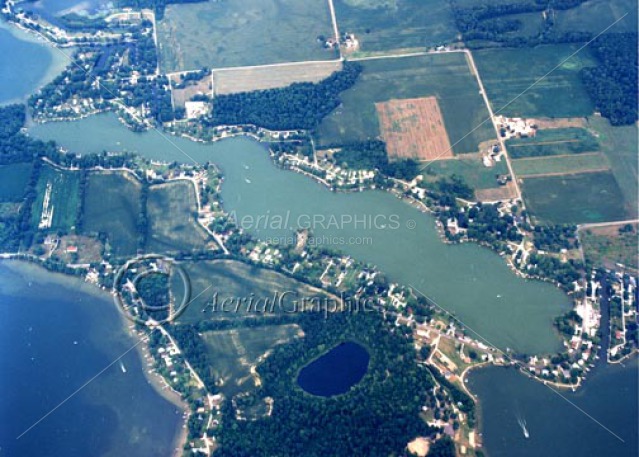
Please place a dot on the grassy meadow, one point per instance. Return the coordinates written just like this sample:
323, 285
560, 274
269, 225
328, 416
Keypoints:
559, 92
112, 207
171, 211
14, 179
574, 199
381, 25
234, 33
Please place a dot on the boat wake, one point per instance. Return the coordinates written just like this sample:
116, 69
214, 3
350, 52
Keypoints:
522, 424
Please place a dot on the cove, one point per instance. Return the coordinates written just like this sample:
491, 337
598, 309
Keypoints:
27, 63
470, 281
556, 427
335, 372
58, 333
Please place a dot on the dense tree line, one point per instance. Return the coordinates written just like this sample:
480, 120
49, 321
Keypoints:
372, 155
377, 417
298, 106
612, 84
555, 237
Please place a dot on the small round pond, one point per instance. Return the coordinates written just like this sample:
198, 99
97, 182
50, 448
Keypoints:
336, 371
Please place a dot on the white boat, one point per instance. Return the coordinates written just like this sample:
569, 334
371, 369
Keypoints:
248, 181
522, 424
122, 367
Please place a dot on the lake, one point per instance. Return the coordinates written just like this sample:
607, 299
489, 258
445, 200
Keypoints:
27, 63
556, 427
57, 334
468, 280
335, 372
51, 10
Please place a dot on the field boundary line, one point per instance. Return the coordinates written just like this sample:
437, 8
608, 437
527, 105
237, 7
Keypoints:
561, 156
562, 173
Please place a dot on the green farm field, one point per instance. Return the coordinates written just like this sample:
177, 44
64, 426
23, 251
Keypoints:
112, 207
234, 33
574, 199
232, 353
472, 170
64, 199
14, 179
229, 280
507, 73
605, 246
620, 145
171, 211
446, 76
548, 142
565, 164
382, 25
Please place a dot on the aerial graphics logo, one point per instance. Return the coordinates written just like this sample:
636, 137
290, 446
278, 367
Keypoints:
160, 272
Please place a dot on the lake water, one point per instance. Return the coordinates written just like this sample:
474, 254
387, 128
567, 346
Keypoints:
335, 372
556, 427
468, 280
26, 64
51, 10
57, 334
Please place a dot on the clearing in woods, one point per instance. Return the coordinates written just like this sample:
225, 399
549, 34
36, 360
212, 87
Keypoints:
414, 128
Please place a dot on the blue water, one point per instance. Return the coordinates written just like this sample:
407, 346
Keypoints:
23, 65
56, 335
336, 371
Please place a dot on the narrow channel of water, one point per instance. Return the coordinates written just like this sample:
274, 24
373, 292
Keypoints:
469, 280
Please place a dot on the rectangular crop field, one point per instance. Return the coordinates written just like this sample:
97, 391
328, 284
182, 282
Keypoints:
413, 129
14, 178
620, 146
233, 33
234, 80
383, 25
548, 142
112, 207
574, 199
172, 212
444, 76
565, 164
508, 75
57, 203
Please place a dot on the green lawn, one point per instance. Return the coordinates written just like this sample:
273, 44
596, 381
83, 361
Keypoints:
171, 210
14, 179
445, 76
558, 90
596, 15
573, 199
64, 199
233, 33
560, 164
381, 25
112, 207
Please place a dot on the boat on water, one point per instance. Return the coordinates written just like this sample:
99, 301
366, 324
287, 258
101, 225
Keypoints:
522, 424
248, 181
122, 367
